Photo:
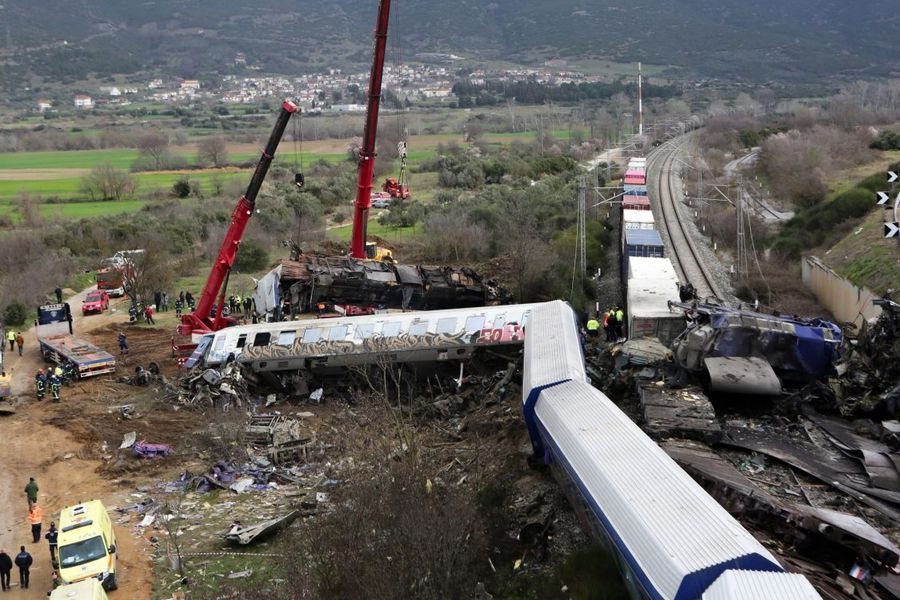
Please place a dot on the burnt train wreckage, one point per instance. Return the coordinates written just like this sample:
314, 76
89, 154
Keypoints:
298, 284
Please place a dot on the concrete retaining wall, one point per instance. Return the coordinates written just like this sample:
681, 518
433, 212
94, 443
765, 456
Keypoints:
848, 302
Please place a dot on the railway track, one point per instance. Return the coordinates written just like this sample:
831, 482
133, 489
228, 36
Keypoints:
682, 250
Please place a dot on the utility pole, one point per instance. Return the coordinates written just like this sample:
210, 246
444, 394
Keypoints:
640, 101
579, 268
743, 264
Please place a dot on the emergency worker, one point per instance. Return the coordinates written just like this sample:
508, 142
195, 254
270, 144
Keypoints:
593, 329
40, 384
55, 386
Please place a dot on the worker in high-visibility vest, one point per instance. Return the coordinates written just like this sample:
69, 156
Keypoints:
36, 517
55, 386
40, 384
593, 328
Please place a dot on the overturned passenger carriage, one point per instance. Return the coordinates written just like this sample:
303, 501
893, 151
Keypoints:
296, 286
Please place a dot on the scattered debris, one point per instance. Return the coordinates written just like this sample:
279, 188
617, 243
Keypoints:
128, 440
685, 412
144, 449
241, 535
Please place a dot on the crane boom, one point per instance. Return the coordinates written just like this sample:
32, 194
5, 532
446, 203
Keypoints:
199, 320
367, 151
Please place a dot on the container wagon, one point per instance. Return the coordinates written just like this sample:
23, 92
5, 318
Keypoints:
636, 190
652, 283
634, 202
638, 219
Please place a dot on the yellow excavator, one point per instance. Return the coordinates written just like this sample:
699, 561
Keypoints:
375, 252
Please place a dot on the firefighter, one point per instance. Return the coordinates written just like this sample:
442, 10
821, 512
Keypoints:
40, 384
70, 373
54, 387
179, 306
132, 313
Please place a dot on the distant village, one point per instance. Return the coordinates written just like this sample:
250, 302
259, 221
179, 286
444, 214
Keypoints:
333, 91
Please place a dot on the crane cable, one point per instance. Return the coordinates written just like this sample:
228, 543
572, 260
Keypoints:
299, 178
401, 129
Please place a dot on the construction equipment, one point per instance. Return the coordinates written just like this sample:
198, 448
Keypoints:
367, 150
200, 321
376, 252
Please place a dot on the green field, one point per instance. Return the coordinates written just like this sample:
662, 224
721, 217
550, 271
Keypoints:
342, 234
80, 210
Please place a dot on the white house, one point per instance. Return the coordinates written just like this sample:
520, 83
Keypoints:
190, 84
82, 101
44, 105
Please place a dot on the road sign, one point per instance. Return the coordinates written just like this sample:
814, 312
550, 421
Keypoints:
882, 198
892, 177
891, 229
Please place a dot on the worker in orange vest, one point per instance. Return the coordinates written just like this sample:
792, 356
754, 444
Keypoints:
36, 517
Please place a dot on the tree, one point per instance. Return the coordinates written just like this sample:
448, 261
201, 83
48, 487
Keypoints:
149, 271
251, 257
106, 182
155, 146
213, 150
181, 188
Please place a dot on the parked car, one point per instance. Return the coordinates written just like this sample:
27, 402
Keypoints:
95, 301
381, 203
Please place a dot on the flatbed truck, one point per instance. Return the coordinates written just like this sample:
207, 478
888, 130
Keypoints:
59, 345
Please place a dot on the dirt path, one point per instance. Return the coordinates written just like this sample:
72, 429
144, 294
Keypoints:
32, 448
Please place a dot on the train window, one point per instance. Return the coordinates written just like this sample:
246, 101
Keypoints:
262, 338
446, 325
220, 343
418, 328
286, 338
337, 334
390, 329
499, 322
474, 324
362, 332
242, 341
311, 335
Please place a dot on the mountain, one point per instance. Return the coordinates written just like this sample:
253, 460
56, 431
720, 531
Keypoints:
803, 40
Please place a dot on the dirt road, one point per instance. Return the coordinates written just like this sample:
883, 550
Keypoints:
31, 447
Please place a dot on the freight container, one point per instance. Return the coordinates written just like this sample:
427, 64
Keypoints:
635, 177
652, 282
632, 202
643, 242
638, 219
636, 190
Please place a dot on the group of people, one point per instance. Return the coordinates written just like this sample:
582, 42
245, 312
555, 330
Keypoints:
15, 338
53, 379
237, 304
23, 560
612, 321
140, 311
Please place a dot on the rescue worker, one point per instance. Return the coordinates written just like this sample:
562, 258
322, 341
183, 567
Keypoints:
606, 329
148, 315
58, 292
55, 386
31, 492
35, 517
179, 306
23, 561
132, 314
248, 306
6, 565
11, 338
123, 343
620, 322
20, 342
40, 384
51, 536
593, 329
57, 372
165, 302
70, 373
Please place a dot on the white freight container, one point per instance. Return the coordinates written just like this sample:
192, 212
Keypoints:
638, 219
652, 282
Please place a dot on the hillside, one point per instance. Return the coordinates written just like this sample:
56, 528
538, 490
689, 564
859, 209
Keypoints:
766, 39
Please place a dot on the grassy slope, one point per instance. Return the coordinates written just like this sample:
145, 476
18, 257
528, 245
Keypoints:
867, 259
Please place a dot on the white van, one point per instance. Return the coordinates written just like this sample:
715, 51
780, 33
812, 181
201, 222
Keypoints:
86, 589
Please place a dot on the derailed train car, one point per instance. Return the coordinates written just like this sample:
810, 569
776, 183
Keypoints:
296, 286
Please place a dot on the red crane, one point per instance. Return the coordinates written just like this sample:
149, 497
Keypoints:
200, 320
367, 151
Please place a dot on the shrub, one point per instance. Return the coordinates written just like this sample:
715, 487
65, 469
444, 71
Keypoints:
181, 188
15, 313
251, 257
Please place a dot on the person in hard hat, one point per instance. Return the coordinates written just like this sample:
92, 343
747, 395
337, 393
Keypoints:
36, 517
123, 343
593, 328
40, 384
58, 371
11, 338
620, 322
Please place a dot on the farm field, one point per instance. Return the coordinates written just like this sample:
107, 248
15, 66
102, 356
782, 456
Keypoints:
58, 174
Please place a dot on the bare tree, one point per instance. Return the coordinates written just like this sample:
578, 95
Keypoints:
213, 150
106, 182
453, 236
155, 146
149, 271
28, 207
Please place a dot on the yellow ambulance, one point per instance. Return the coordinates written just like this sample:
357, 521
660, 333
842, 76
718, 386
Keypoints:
86, 589
87, 544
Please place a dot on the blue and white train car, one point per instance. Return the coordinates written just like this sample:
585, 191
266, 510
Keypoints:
671, 539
